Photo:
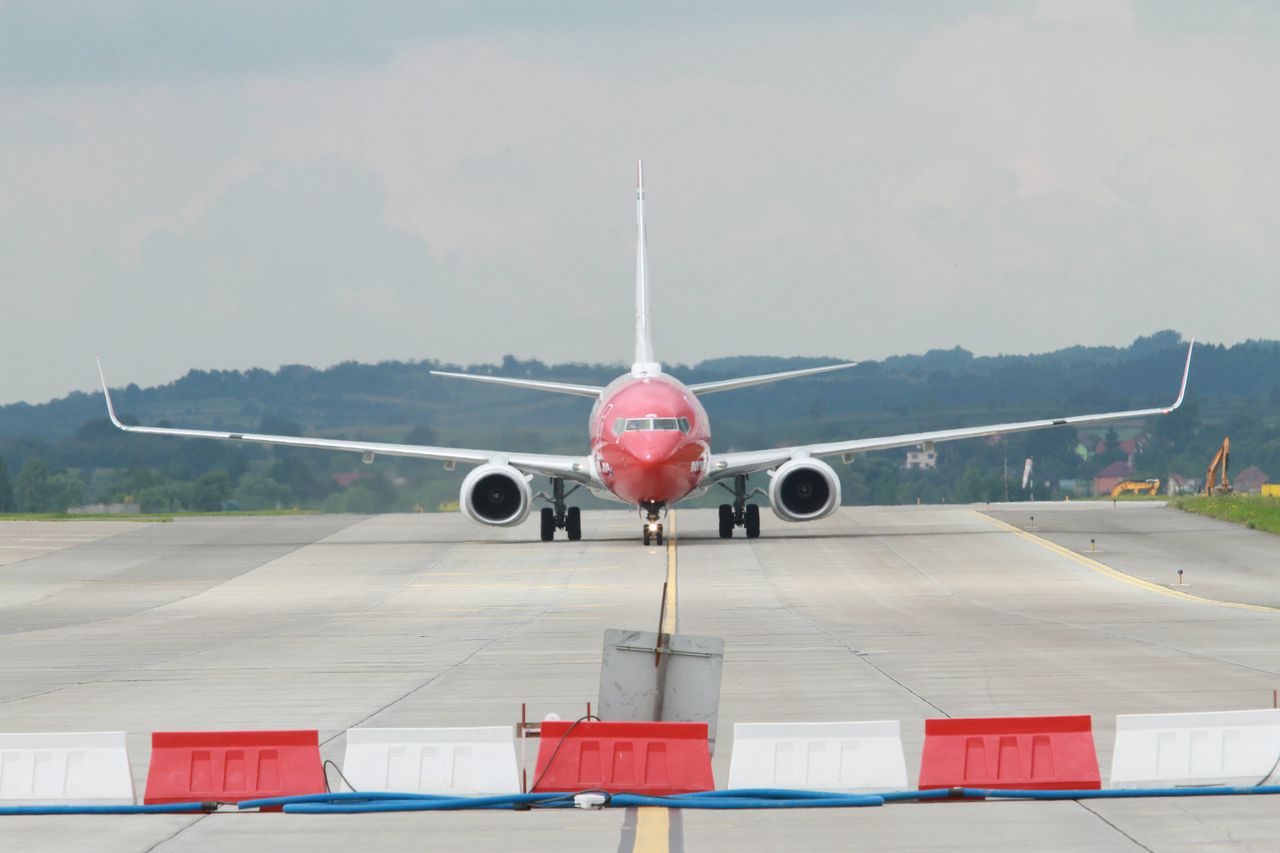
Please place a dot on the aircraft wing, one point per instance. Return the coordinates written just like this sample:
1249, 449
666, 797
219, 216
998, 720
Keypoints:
573, 468
725, 465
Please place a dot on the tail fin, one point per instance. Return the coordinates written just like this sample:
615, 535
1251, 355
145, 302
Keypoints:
645, 363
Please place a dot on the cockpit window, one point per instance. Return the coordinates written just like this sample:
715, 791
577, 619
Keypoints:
650, 425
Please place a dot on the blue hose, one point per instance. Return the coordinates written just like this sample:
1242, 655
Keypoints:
1118, 793
799, 794
401, 803
338, 797
72, 808
680, 801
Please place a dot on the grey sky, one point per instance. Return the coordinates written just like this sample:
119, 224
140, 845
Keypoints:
235, 184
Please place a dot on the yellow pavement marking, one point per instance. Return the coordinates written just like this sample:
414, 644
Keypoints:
669, 621
1116, 574
653, 830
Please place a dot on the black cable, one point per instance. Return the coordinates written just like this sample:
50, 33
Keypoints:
554, 802
556, 751
325, 769
1270, 773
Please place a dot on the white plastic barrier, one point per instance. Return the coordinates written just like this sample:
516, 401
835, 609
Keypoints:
1213, 748
863, 756
432, 761
65, 767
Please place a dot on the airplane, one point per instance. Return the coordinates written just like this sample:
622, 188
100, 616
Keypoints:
650, 442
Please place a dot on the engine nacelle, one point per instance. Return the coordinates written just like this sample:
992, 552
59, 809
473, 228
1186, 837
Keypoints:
497, 495
804, 490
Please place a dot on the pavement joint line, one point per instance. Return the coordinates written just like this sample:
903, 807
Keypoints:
858, 655
465, 659
1116, 574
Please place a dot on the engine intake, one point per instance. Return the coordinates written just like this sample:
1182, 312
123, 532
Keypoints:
497, 495
804, 490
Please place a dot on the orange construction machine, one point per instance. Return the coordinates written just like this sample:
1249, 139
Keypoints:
1136, 487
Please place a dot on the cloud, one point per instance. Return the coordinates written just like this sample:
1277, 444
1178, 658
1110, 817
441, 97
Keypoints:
850, 185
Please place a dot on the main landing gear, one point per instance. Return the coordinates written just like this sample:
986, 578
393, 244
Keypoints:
740, 513
558, 515
652, 525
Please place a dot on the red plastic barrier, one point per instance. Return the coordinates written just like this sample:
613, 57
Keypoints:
1042, 753
230, 766
644, 758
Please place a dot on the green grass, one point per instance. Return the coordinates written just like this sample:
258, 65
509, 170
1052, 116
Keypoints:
144, 516
1253, 511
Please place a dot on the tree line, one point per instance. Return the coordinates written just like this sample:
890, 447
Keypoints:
66, 453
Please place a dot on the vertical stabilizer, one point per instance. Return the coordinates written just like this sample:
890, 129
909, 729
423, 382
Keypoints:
645, 363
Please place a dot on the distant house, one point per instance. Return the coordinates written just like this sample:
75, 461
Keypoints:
1129, 446
1073, 488
1177, 484
1130, 440
1106, 479
346, 478
1249, 481
921, 459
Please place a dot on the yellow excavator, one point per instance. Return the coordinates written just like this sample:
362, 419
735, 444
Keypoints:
1136, 487
1221, 459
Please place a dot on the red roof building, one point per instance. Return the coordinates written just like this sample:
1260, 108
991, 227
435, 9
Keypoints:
1106, 479
1249, 481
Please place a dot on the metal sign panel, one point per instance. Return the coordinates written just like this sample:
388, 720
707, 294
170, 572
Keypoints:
661, 677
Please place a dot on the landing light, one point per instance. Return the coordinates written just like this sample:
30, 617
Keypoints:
653, 526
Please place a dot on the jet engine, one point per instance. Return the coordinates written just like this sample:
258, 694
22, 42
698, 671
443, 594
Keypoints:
804, 490
497, 495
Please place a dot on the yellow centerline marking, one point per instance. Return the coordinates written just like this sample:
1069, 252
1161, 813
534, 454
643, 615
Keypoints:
653, 830
669, 621
1116, 574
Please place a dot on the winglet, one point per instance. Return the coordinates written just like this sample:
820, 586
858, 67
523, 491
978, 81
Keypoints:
1186, 371
111, 409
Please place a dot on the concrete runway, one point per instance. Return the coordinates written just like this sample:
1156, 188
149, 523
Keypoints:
899, 613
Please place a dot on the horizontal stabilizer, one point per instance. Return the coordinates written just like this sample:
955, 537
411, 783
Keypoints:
532, 384
747, 381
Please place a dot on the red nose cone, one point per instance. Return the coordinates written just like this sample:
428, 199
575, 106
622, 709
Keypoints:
651, 448
652, 467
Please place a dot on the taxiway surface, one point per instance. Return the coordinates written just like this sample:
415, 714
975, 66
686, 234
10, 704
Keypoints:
898, 613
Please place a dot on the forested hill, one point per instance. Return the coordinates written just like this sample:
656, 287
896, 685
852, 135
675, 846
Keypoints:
65, 453
396, 394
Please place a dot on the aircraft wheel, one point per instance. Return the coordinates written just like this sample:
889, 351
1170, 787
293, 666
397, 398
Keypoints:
646, 534
752, 522
726, 521
548, 524
573, 523
657, 536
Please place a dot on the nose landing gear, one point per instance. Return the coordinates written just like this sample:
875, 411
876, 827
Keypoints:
558, 516
652, 531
